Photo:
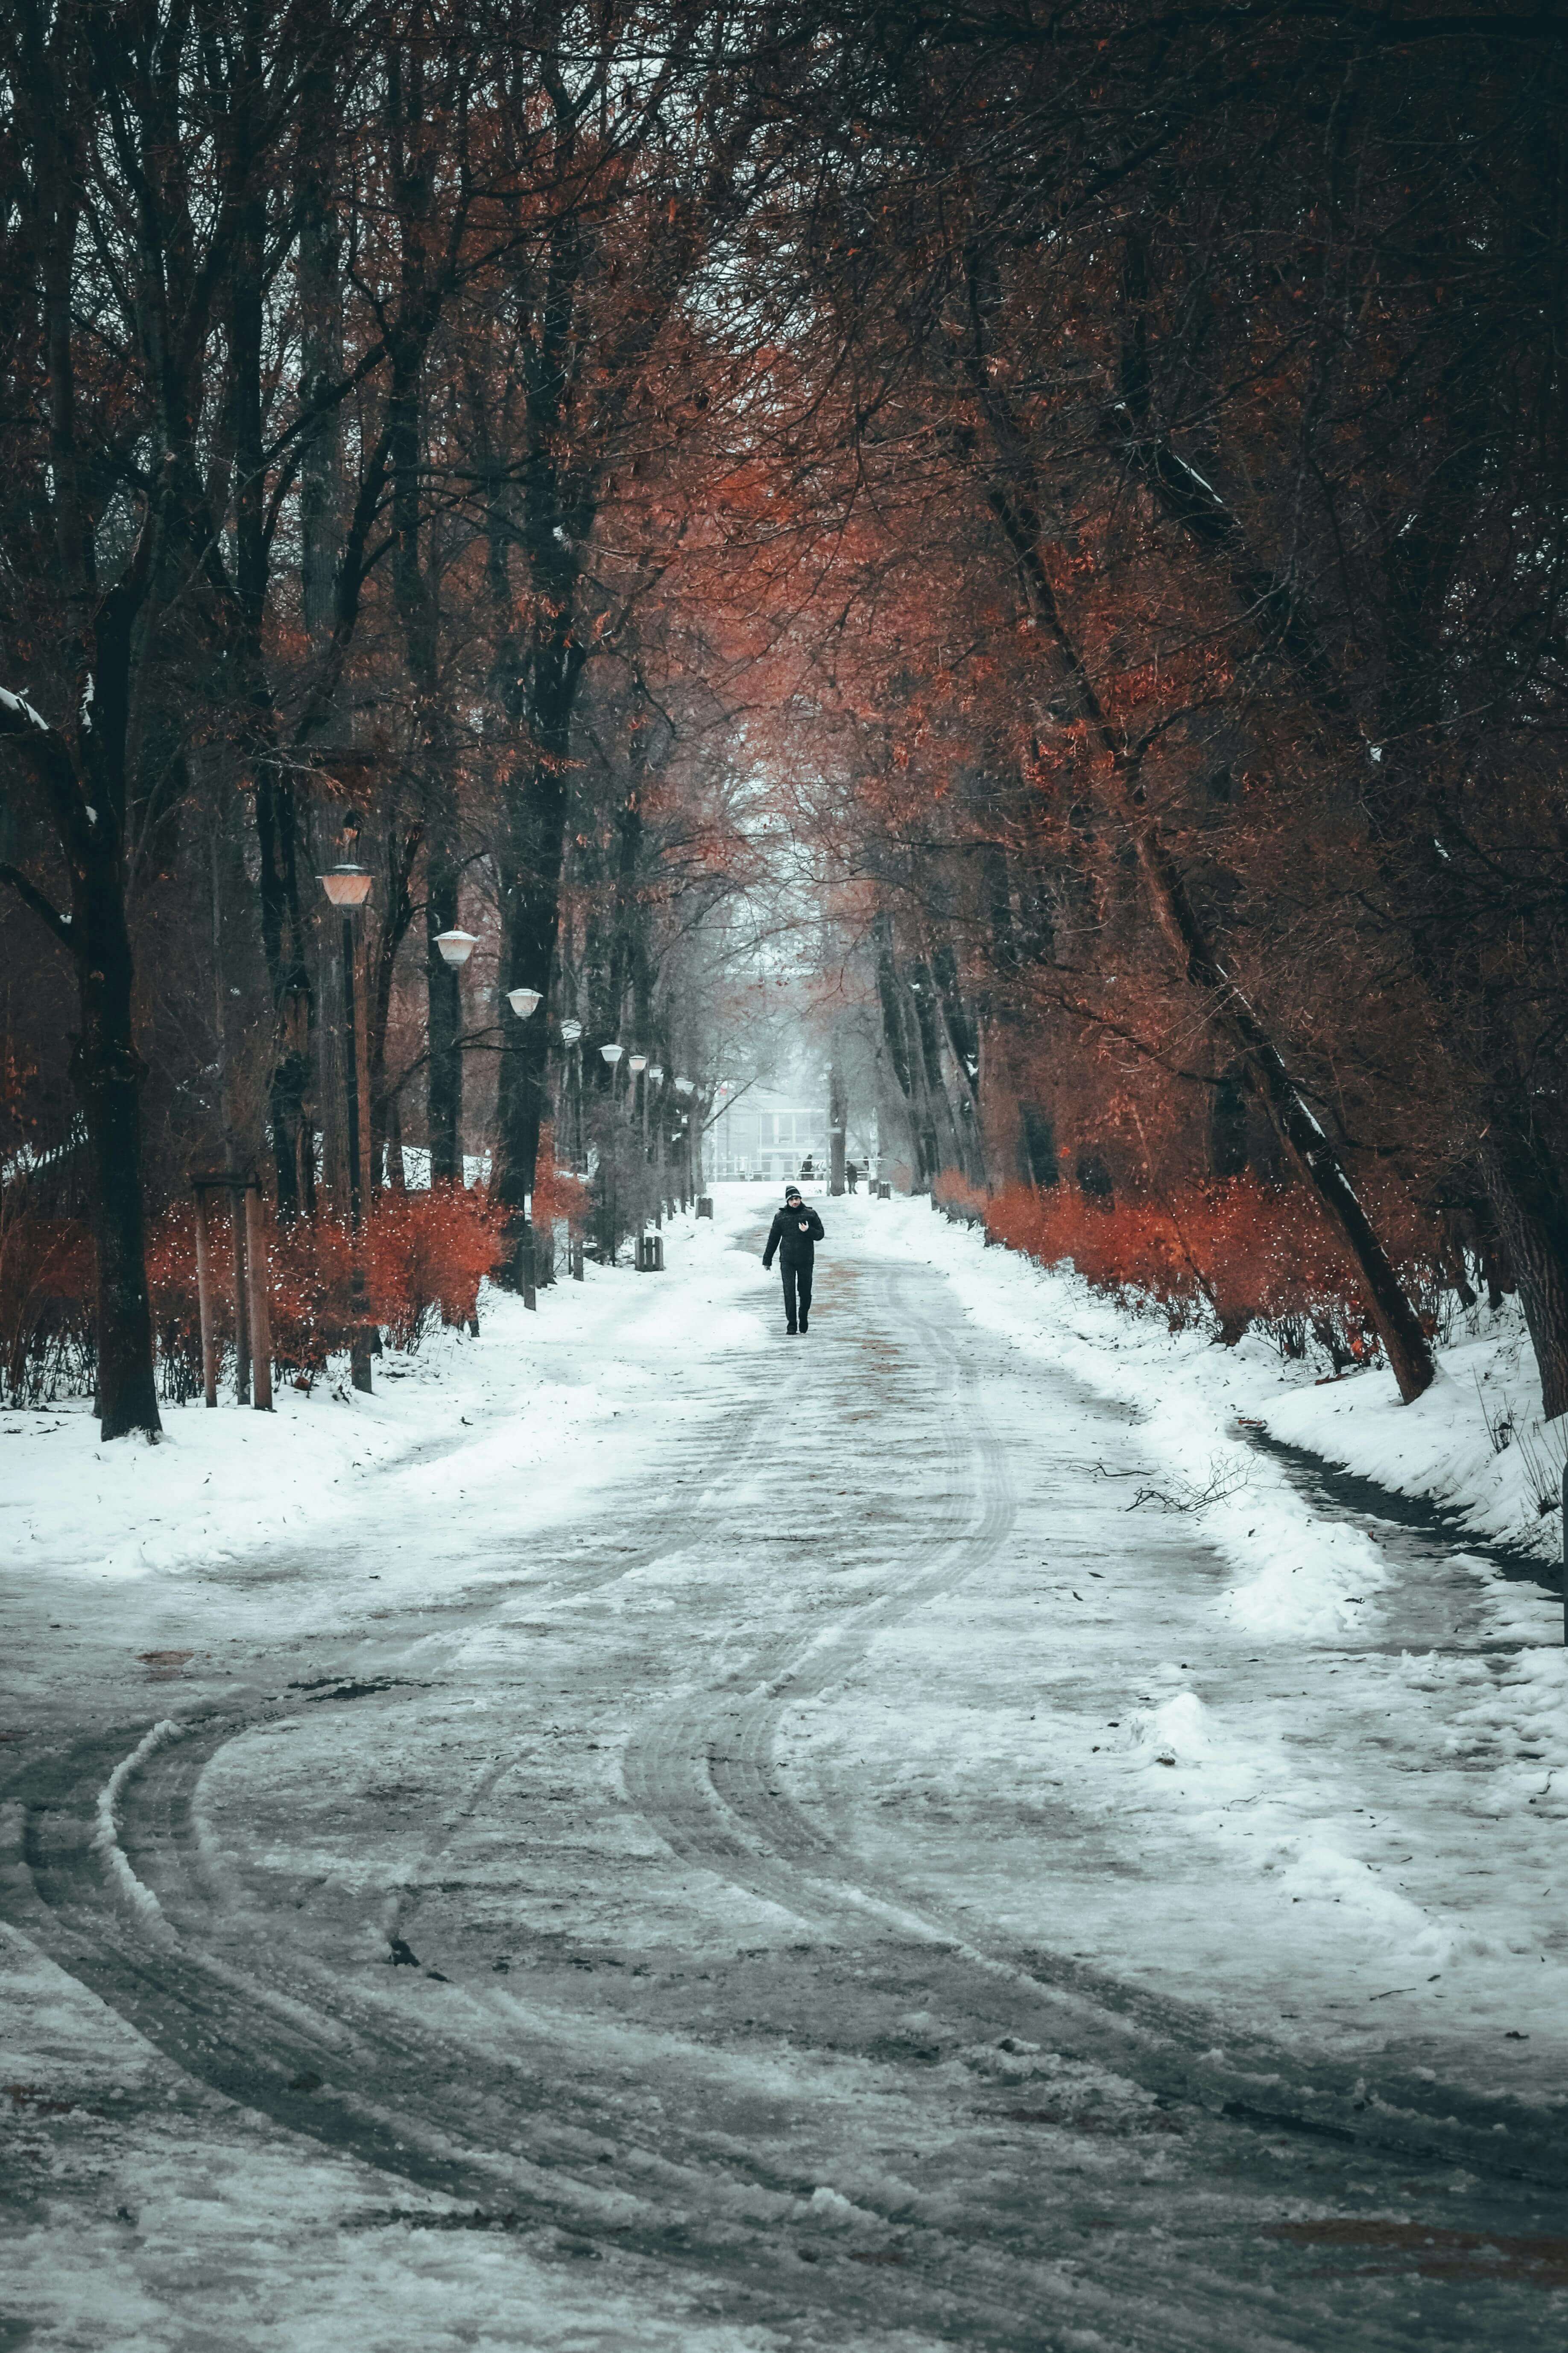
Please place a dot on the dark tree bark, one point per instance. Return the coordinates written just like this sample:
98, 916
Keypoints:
106, 1067
1525, 1187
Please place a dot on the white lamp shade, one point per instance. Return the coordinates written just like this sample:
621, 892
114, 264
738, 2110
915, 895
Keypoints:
637, 1061
611, 1054
570, 1032
523, 1001
457, 947
347, 886
683, 1086
656, 1072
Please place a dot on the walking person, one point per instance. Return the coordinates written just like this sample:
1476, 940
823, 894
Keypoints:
796, 1230
851, 1173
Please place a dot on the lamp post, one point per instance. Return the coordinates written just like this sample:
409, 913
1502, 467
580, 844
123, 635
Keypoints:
572, 1039
445, 1080
609, 1201
348, 887
655, 1079
637, 1065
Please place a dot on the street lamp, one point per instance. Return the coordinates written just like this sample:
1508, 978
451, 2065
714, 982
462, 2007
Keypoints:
457, 947
572, 1039
637, 1064
571, 1032
348, 886
611, 1054
524, 1001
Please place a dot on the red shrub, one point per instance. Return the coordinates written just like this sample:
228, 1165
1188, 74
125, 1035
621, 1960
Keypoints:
430, 1250
1248, 1252
310, 1293
423, 1253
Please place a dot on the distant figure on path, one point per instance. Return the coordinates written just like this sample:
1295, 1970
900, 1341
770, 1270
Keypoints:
850, 1174
796, 1230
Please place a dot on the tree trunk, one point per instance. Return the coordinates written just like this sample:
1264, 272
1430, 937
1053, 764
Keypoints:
107, 1073
530, 874
1264, 1072
1527, 1200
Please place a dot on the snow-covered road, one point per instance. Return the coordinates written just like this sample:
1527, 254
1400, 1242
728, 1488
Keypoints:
794, 1863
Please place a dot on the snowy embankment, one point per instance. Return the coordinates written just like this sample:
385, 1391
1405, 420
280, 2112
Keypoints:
433, 1453
1475, 1446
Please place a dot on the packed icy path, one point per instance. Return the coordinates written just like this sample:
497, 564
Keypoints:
774, 1853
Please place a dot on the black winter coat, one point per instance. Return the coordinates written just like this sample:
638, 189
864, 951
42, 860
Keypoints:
794, 1236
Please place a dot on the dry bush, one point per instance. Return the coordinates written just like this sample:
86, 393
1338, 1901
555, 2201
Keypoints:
429, 1253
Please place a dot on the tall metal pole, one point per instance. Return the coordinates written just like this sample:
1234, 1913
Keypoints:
359, 1337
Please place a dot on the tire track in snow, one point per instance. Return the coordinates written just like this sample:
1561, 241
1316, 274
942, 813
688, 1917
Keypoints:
285, 2051
422, 2111
417, 2104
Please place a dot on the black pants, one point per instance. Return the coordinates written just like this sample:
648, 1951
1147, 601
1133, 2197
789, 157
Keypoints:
796, 1279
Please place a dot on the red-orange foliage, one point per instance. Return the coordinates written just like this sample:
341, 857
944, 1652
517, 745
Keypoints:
424, 1253
1248, 1251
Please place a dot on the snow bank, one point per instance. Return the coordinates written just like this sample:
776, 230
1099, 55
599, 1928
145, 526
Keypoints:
1474, 1445
444, 1424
